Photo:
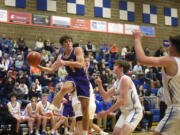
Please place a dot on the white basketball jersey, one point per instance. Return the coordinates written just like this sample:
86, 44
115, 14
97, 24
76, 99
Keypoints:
15, 109
59, 109
132, 100
45, 108
171, 86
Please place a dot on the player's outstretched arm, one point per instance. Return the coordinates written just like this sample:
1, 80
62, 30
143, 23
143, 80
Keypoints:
105, 95
163, 61
79, 63
51, 69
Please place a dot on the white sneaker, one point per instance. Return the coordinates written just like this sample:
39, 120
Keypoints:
104, 133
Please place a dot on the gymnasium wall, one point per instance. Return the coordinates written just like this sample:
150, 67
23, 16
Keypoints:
31, 33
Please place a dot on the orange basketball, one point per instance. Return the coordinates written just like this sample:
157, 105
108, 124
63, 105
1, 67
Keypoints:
33, 58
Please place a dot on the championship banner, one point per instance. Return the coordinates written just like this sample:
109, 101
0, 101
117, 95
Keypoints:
148, 31
116, 28
38, 19
80, 24
3, 15
130, 28
19, 17
58, 21
99, 26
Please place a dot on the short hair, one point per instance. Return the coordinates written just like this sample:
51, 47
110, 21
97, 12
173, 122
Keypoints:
175, 40
64, 38
34, 98
124, 64
44, 95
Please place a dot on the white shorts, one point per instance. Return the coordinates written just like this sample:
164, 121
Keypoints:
78, 112
169, 125
92, 109
131, 119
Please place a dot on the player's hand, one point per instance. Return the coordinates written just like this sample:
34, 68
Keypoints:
102, 114
98, 81
137, 34
65, 100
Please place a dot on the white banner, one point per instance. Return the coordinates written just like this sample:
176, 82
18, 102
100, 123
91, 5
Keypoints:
129, 28
100, 26
3, 15
116, 28
61, 21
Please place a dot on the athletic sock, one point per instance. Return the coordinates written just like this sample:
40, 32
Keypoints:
85, 132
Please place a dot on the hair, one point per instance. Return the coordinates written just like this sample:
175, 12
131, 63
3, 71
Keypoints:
64, 38
124, 64
34, 98
44, 95
175, 40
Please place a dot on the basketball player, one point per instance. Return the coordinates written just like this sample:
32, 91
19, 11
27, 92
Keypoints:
171, 81
73, 60
31, 110
47, 115
128, 101
92, 108
14, 109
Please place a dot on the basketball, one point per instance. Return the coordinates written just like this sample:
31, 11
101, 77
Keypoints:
33, 58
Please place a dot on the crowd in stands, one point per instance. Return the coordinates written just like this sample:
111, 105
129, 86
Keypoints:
26, 81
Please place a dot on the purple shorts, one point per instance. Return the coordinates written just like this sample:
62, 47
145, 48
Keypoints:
68, 111
81, 85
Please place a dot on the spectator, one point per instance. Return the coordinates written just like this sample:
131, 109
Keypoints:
22, 45
109, 76
17, 91
146, 51
48, 47
8, 87
160, 103
7, 118
104, 80
3, 40
104, 52
140, 90
35, 73
89, 48
147, 114
62, 73
45, 55
45, 80
38, 85
152, 77
113, 51
124, 52
24, 88
33, 92
4, 63
159, 52
56, 53
19, 63
138, 69
39, 44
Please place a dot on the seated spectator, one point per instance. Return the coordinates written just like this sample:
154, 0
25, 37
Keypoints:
62, 73
146, 51
109, 76
18, 92
48, 46
3, 40
56, 53
147, 114
92, 80
38, 85
6, 118
4, 65
21, 77
45, 55
138, 69
8, 87
104, 79
89, 48
33, 92
140, 90
24, 88
19, 63
104, 52
45, 80
151, 76
113, 51
35, 72
47, 115
39, 44
14, 110
22, 45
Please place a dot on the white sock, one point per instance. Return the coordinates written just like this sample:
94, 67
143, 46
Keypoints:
85, 132
37, 131
65, 130
44, 131
31, 131
52, 131
70, 133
